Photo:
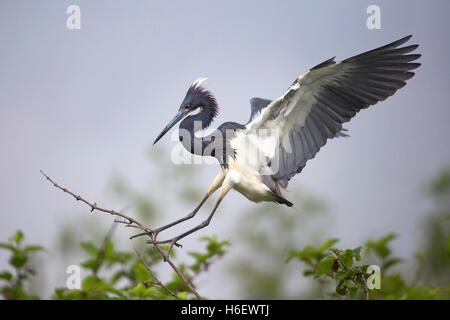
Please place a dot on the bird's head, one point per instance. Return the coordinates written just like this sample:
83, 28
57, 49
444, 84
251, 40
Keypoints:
198, 105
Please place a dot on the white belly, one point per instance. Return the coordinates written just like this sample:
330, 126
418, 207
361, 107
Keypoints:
247, 182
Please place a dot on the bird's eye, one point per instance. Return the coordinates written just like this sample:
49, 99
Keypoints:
186, 108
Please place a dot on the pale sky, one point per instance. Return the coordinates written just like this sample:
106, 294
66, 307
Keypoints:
82, 104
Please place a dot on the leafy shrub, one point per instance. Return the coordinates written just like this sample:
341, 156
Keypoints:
112, 274
348, 272
14, 283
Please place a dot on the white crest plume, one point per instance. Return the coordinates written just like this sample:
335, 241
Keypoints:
197, 83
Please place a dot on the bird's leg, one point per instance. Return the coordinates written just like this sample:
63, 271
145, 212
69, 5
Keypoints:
226, 186
155, 232
217, 182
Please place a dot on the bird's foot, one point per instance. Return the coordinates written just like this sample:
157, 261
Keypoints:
148, 232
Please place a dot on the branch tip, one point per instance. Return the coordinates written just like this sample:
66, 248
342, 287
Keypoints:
131, 222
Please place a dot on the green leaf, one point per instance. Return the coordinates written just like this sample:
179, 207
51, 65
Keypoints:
17, 237
152, 292
391, 262
308, 272
92, 264
342, 286
339, 275
200, 257
182, 295
109, 252
328, 244
89, 248
138, 291
123, 257
100, 288
139, 272
14, 293
381, 246
347, 258
92, 283
33, 248
9, 247
19, 259
350, 273
364, 270
307, 255
296, 254
118, 275
336, 251
66, 294
325, 266
214, 246
5, 275
357, 253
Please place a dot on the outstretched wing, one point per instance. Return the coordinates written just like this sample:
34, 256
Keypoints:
257, 105
314, 108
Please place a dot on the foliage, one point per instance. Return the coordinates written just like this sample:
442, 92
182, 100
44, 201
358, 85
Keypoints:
14, 283
350, 276
128, 276
329, 272
264, 235
436, 248
112, 274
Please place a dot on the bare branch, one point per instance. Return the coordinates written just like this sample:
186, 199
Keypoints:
182, 277
94, 205
366, 290
156, 282
129, 222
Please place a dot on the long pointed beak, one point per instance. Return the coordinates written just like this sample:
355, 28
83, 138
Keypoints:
180, 115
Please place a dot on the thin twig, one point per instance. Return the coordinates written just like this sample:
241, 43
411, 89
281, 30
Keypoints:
366, 290
129, 222
182, 277
94, 205
157, 281
101, 252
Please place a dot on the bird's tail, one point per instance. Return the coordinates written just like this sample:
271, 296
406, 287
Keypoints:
282, 200
286, 202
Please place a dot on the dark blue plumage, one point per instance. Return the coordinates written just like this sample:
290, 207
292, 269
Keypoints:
199, 108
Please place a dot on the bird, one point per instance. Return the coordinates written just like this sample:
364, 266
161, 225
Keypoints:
259, 158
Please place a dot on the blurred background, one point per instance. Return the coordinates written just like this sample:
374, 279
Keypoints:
85, 106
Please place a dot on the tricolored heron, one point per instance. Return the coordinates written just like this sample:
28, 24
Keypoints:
259, 158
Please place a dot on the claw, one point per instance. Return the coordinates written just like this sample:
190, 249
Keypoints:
148, 232
173, 243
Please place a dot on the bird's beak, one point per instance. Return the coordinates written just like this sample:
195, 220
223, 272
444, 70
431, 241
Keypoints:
180, 115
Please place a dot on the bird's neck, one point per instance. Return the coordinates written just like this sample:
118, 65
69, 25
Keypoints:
188, 127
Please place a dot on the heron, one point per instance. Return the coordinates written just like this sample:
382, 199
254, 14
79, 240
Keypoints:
259, 158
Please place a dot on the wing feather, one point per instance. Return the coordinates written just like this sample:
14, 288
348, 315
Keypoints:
314, 108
